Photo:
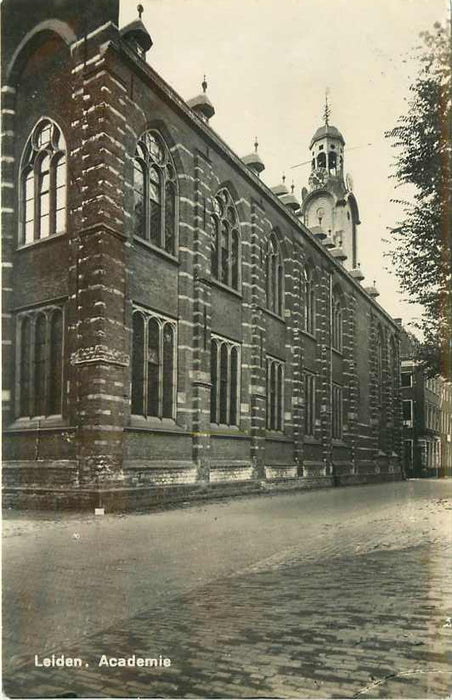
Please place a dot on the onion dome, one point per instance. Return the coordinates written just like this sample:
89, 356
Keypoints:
254, 161
372, 291
201, 104
136, 35
290, 200
280, 189
327, 131
357, 273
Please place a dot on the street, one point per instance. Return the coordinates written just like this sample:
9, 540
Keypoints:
336, 593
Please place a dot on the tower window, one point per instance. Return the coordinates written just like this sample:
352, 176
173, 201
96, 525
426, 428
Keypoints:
42, 210
321, 160
225, 254
332, 162
154, 193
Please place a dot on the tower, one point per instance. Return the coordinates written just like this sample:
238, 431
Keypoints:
330, 204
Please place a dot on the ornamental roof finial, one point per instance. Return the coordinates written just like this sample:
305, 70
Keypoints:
140, 9
204, 83
256, 144
327, 109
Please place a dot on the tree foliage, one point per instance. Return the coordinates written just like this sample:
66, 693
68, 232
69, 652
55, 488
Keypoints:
423, 242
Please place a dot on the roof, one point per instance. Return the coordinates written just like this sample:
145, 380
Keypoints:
327, 130
138, 32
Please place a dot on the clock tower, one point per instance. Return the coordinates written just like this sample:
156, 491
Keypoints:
329, 205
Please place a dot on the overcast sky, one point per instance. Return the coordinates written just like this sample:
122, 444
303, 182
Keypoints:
268, 63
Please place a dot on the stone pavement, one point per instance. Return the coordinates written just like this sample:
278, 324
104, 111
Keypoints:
365, 612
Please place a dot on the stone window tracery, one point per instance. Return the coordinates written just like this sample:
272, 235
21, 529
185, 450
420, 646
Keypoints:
155, 193
43, 184
225, 380
225, 246
274, 271
39, 366
153, 365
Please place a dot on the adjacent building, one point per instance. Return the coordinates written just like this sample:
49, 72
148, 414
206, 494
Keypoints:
172, 325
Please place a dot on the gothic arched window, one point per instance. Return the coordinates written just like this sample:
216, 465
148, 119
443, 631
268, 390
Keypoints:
155, 193
40, 363
225, 248
43, 184
153, 365
309, 301
336, 331
274, 271
225, 380
321, 160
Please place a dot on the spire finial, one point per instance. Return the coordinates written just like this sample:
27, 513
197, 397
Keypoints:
204, 83
327, 109
256, 144
292, 187
284, 178
140, 9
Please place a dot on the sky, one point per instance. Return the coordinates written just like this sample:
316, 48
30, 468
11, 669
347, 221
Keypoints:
268, 64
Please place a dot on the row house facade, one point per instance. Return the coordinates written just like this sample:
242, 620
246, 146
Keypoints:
171, 325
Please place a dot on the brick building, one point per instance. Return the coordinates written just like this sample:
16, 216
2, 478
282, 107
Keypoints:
171, 324
427, 416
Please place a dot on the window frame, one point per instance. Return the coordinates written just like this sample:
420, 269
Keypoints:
337, 318
309, 401
225, 224
223, 385
309, 305
337, 412
152, 156
275, 276
33, 317
144, 378
30, 180
274, 414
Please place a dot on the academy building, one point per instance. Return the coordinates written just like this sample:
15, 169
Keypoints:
172, 326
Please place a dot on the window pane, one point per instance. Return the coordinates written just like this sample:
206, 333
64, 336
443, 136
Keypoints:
234, 386
224, 384
170, 217
139, 225
214, 248
214, 380
235, 260
153, 368
279, 398
138, 365
24, 372
56, 363
40, 366
168, 370
224, 262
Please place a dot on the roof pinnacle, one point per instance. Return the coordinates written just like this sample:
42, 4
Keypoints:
256, 144
204, 84
140, 9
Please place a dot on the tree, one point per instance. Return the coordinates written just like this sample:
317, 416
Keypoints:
423, 239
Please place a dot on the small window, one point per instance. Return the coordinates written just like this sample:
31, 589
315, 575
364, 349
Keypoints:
406, 379
225, 380
407, 411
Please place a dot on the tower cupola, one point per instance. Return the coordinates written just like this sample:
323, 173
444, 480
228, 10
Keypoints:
136, 35
253, 160
201, 104
327, 152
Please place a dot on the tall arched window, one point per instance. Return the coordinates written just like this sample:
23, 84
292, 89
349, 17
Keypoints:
40, 363
309, 301
336, 313
153, 365
43, 184
225, 381
274, 276
155, 193
380, 369
225, 247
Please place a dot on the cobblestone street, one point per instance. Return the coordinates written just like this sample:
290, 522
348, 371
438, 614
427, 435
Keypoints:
342, 593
